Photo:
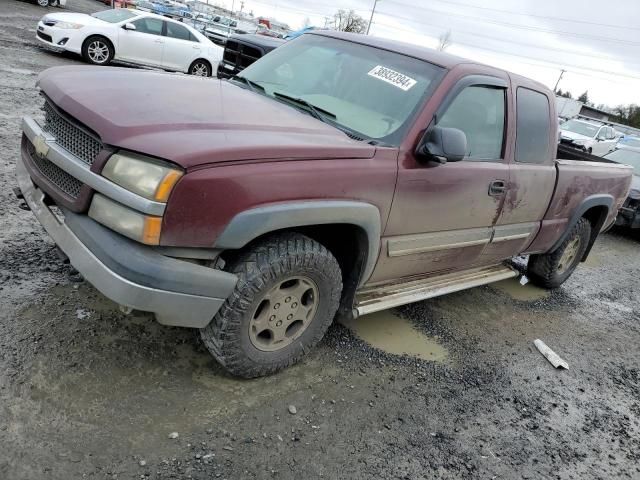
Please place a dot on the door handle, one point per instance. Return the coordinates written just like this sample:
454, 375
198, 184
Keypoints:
497, 188
158, 41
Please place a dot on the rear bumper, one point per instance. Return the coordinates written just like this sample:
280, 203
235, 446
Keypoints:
179, 293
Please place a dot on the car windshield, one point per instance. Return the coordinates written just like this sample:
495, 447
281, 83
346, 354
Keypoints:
581, 128
366, 91
114, 16
629, 157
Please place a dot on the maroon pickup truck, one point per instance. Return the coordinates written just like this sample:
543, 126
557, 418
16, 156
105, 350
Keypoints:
338, 175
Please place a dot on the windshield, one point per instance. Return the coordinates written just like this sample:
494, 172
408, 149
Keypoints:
582, 128
370, 92
629, 157
114, 16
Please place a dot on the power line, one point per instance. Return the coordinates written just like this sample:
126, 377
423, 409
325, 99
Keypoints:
511, 41
548, 63
524, 27
533, 15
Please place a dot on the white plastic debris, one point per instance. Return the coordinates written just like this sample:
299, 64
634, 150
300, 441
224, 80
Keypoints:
524, 280
550, 355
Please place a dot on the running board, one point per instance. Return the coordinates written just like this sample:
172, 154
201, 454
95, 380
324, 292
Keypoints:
389, 295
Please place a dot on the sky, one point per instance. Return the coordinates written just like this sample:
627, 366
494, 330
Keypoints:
596, 42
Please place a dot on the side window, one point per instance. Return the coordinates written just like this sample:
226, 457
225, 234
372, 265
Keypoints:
193, 38
149, 25
532, 126
479, 113
177, 31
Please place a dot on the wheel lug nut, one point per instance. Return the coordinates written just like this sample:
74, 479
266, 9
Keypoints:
272, 318
278, 323
287, 300
294, 305
289, 317
276, 306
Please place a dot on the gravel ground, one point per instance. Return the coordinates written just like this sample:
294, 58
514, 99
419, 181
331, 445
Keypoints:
86, 392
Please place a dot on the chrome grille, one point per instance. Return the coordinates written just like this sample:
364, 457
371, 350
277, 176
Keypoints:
69, 136
65, 182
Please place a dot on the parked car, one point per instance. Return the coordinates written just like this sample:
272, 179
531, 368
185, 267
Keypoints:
591, 137
340, 174
220, 29
629, 153
132, 36
53, 3
240, 51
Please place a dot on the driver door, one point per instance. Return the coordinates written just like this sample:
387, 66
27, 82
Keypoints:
145, 44
442, 216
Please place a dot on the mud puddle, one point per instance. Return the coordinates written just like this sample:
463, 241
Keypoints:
523, 293
393, 334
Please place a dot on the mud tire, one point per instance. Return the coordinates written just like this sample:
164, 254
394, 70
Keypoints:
259, 267
544, 270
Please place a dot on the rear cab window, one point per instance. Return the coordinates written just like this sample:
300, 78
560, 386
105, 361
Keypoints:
532, 126
152, 26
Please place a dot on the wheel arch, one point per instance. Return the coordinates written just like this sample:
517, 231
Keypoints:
351, 230
102, 35
595, 209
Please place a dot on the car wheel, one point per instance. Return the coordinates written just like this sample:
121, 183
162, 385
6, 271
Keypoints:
550, 270
43, 3
97, 50
200, 68
286, 297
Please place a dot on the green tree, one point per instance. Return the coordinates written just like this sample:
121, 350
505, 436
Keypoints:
584, 98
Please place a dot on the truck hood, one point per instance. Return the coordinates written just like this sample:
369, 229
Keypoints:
573, 135
191, 121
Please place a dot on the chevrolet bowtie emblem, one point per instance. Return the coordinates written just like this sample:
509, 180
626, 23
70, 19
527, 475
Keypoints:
41, 146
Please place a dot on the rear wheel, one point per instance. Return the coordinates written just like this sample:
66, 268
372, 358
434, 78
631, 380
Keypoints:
97, 50
200, 68
287, 294
551, 270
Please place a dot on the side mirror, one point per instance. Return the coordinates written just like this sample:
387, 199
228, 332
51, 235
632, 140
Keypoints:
129, 26
443, 145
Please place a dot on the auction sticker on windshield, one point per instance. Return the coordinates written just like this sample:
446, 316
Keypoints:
396, 79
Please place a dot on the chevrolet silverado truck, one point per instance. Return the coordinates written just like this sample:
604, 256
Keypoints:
337, 176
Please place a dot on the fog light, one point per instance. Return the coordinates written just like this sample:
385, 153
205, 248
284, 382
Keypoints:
132, 224
63, 41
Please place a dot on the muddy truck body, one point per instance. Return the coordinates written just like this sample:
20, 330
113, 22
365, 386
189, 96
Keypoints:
338, 175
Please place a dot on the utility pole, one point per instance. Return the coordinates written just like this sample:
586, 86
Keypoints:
555, 89
375, 4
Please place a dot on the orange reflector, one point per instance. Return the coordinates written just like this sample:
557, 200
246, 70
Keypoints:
166, 185
151, 233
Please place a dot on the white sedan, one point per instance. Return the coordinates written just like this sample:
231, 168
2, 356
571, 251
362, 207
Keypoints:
131, 36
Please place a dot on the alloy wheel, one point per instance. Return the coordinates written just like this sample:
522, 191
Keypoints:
98, 51
569, 255
200, 69
283, 313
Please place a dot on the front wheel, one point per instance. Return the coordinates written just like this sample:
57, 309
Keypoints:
97, 50
200, 68
43, 3
550, 270
287, 294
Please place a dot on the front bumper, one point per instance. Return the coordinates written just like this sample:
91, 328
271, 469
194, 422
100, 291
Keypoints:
52, 36
629, 214
179, 293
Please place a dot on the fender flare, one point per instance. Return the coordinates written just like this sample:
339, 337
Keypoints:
251, 224
588, 203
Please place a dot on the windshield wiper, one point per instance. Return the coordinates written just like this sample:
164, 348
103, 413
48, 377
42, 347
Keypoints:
253, 86
317, 112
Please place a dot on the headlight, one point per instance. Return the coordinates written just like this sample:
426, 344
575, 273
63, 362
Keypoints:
132, 224
68, 25
145, 176
579, 142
